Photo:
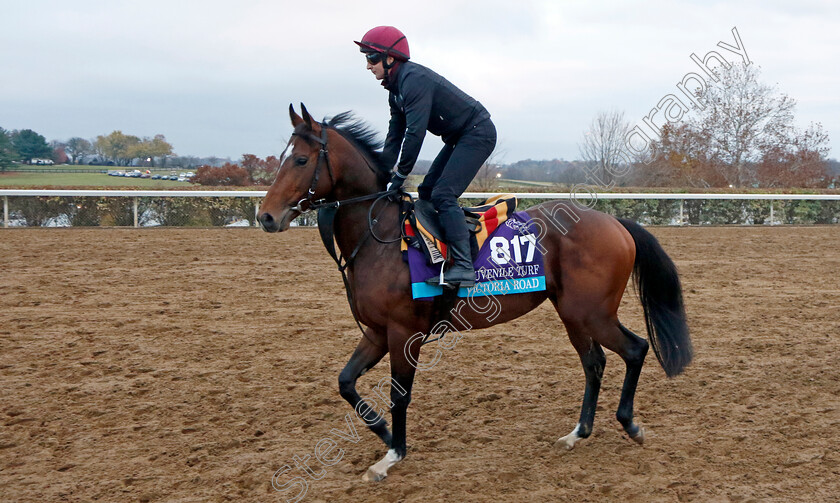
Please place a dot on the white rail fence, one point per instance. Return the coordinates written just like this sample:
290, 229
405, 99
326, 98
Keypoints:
144, 208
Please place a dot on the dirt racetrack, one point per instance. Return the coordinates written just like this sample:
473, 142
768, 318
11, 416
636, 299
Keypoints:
191, 365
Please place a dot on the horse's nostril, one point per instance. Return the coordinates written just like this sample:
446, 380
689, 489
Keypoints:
267, 221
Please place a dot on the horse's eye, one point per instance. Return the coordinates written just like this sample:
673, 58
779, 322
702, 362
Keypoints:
301, 161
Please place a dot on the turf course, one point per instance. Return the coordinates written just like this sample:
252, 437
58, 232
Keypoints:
83, 180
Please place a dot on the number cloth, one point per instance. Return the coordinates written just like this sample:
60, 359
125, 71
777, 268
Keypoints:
509, 262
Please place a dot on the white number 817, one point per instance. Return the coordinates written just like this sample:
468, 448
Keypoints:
501, 247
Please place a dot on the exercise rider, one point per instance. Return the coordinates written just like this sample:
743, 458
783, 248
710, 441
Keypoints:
420, 101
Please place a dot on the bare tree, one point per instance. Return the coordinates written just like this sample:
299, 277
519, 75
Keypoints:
604, 142
743, 118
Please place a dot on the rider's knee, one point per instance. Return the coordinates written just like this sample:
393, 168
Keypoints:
424, 193
442, 198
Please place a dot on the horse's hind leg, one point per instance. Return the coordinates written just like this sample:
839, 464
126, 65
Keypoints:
366, 355
632, 350
593, 360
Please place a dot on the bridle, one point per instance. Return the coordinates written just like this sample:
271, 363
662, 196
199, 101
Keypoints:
323, 156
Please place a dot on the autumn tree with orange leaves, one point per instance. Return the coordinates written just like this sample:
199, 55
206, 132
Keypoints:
261, 172
227, 175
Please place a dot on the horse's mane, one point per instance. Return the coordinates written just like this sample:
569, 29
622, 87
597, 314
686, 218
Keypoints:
363, 137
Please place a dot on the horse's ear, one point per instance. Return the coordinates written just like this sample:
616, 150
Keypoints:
294, 116
306, 116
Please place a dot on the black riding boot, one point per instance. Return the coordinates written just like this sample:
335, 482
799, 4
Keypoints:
461, 273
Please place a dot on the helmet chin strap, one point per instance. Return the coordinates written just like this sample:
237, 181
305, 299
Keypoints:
386, 80
386, 66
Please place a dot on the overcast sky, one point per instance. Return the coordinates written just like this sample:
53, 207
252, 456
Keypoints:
217, 77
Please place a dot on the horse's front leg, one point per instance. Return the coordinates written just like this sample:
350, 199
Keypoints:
370, 350
402, 378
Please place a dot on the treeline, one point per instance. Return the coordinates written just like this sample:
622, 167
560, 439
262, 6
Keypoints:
669, 171
251, 170
114, 149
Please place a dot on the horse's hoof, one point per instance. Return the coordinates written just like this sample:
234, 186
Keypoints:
562, 446
567, 443
640, 436
569, 440
373, 476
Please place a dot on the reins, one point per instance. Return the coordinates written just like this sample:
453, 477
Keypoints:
326, 223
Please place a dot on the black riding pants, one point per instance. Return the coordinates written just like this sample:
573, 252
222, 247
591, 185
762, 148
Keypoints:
451, 173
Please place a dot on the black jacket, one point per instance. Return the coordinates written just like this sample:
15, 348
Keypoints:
422, 100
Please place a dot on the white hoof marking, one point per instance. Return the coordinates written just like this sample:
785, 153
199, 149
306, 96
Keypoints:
569, 440
379, 471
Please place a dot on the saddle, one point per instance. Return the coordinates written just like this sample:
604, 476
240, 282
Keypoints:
424, 232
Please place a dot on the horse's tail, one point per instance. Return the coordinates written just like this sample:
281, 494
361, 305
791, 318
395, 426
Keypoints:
658, 285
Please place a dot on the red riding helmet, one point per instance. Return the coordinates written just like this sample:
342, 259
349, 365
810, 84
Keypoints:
386, 39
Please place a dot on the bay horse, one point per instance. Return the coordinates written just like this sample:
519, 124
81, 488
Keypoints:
588, 257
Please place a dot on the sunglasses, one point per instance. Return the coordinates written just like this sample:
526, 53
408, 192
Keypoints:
374, 57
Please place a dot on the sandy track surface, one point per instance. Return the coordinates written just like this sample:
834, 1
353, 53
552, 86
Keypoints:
190, 365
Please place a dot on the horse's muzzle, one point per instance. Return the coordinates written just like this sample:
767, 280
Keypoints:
268, 223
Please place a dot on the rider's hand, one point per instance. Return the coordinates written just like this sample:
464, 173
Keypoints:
397, 179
